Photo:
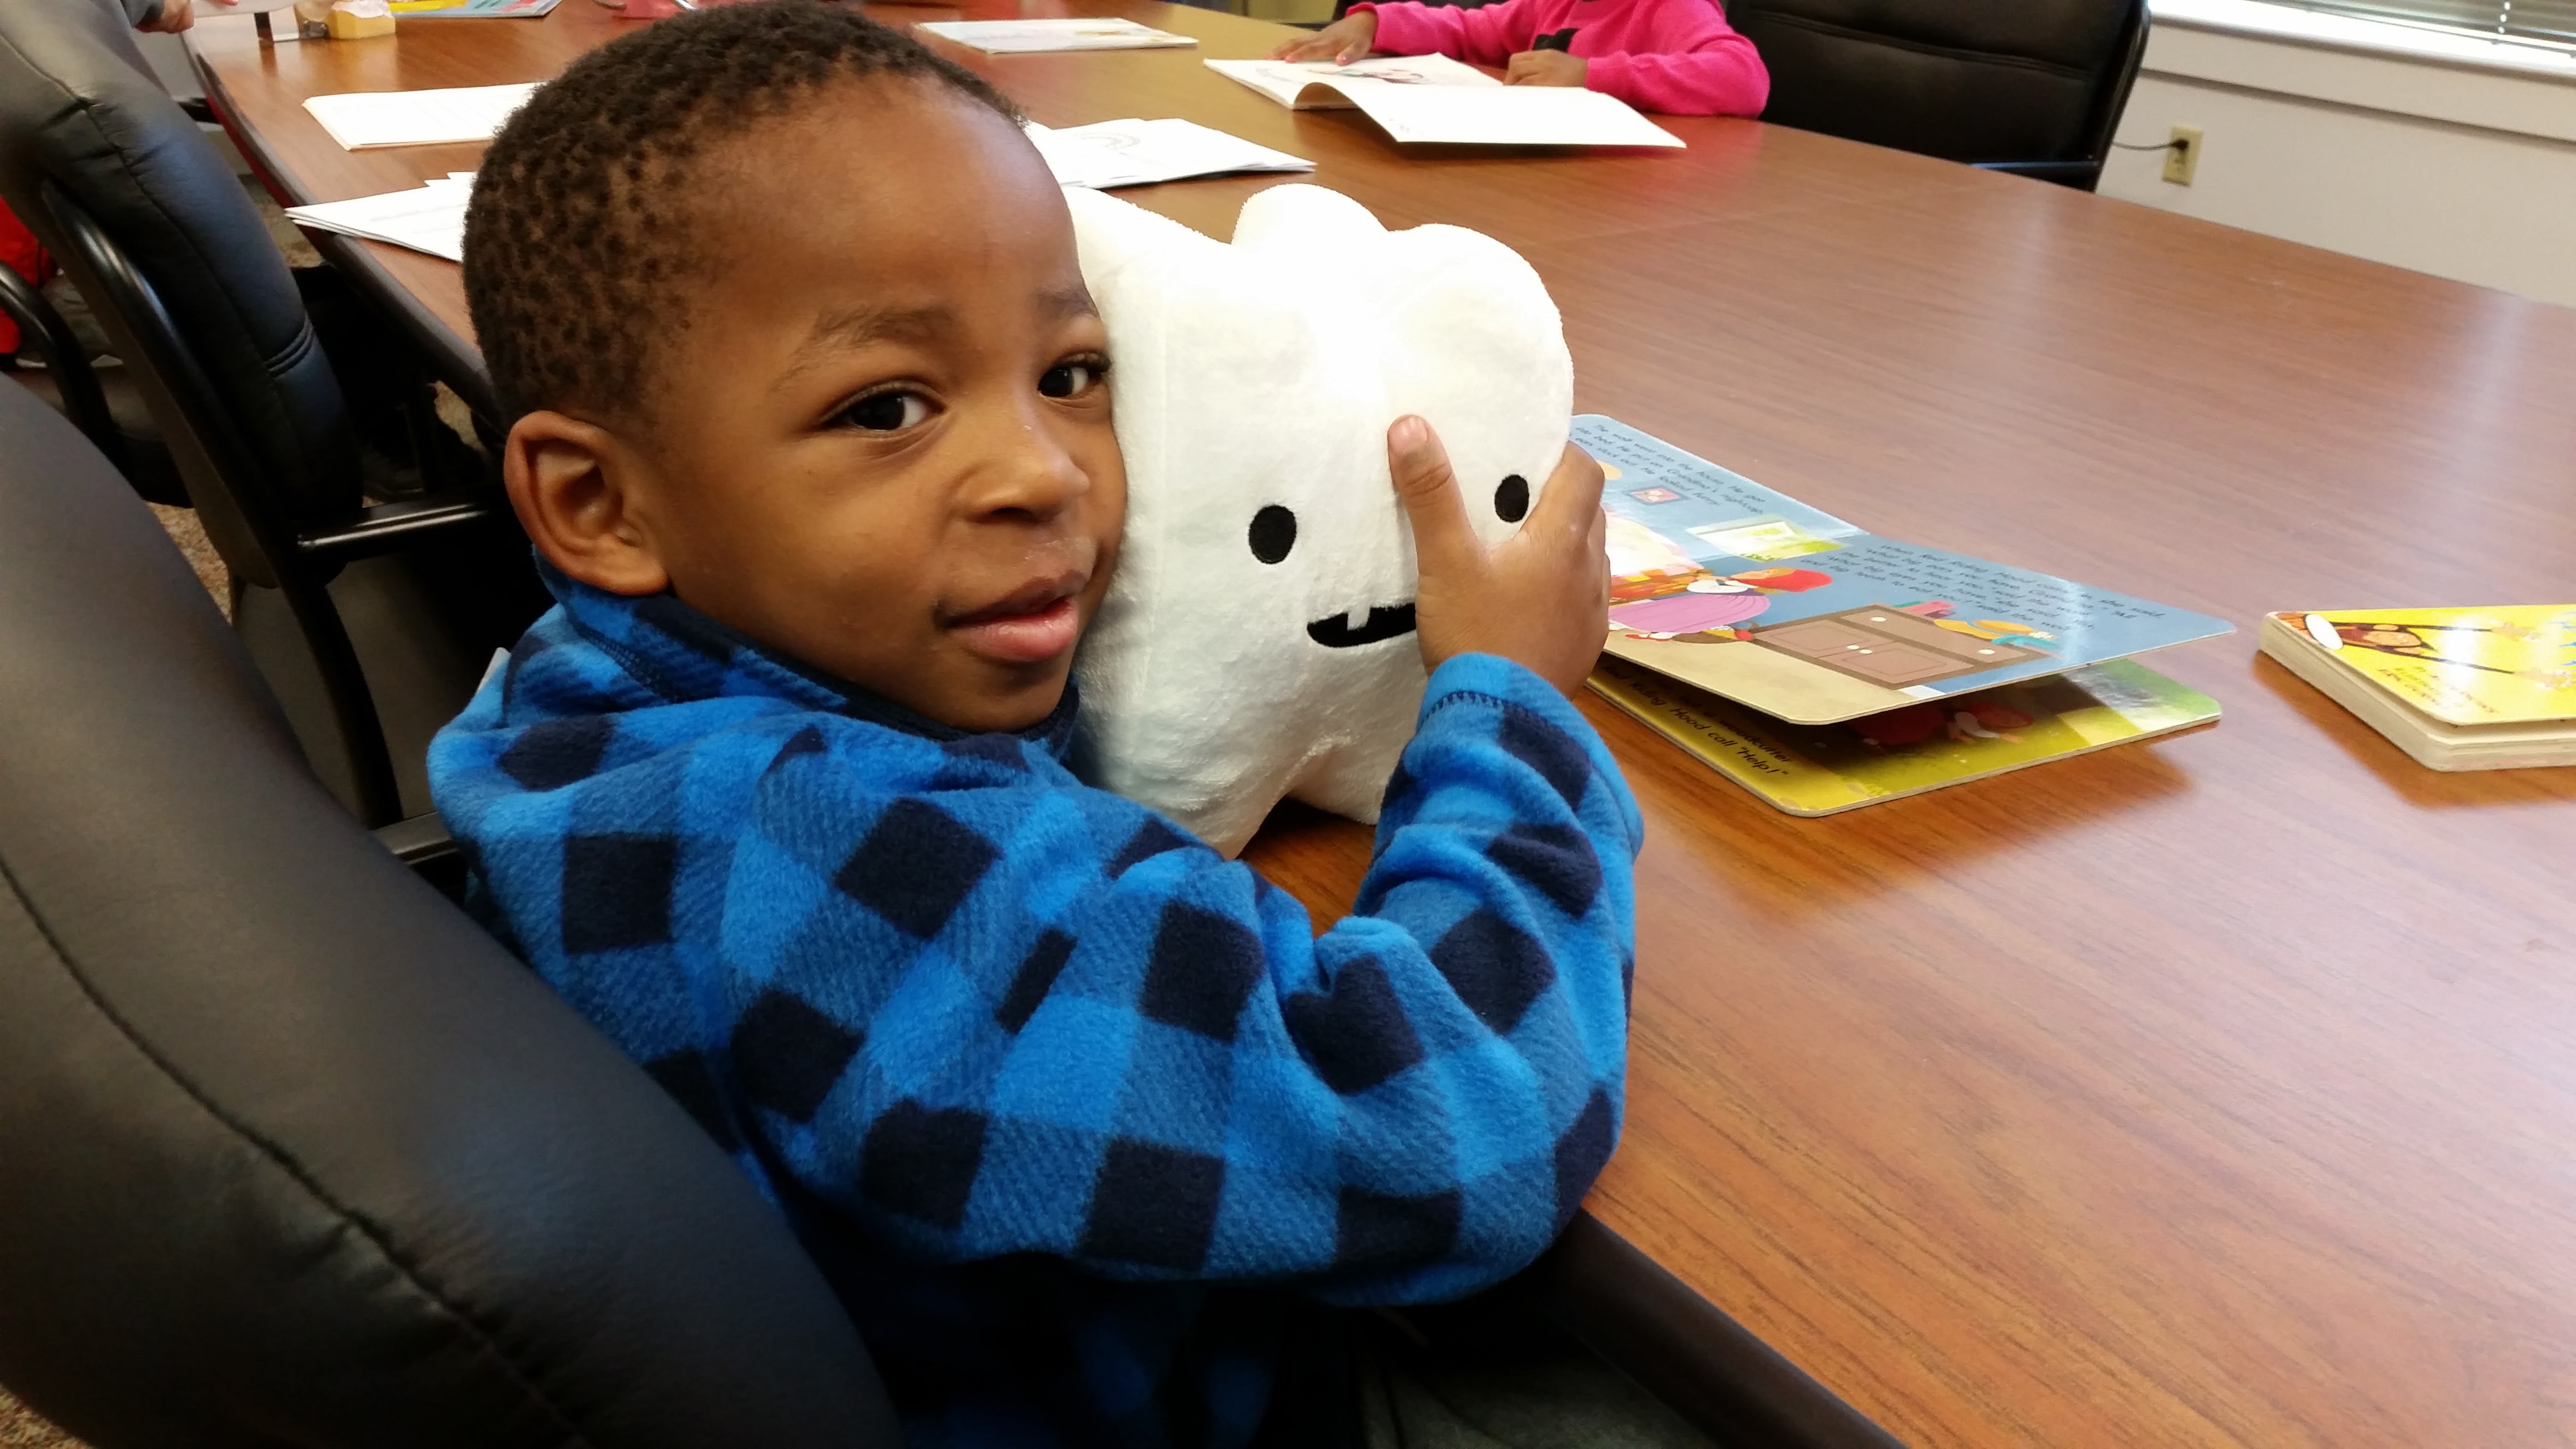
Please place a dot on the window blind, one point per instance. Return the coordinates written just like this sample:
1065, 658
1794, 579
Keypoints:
2548, 21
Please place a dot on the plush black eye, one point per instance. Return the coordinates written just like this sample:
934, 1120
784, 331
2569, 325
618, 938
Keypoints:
1274, 532
1511, 500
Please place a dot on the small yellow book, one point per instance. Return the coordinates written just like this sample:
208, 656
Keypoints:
1822, 769
2458, 689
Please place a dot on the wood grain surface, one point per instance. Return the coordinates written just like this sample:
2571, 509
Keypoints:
2220, 1091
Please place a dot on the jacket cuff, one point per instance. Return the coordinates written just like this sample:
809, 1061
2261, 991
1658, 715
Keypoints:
1400, 28
1613, 75
1494, 679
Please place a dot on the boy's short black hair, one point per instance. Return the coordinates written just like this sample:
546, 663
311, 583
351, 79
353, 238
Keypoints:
576, 256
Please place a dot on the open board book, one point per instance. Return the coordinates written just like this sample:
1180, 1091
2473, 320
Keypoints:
2458, 689
1750, 594
1433, 99
1824, 769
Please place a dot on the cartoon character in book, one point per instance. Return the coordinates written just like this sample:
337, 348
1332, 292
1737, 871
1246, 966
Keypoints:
1987, 719
2408, 641
1896, 728
1783, 580
2390, 638
2005, 631
2001, 631
1709, 607
1644, 564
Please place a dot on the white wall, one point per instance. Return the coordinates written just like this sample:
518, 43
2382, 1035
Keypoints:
2380, 141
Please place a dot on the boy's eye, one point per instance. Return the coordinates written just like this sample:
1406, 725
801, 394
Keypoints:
886, 412
1069, 379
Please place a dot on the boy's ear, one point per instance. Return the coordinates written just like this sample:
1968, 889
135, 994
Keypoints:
571, 483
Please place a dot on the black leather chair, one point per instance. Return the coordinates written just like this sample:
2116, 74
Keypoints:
101, 402
291, 1153
2033, 87
372, 622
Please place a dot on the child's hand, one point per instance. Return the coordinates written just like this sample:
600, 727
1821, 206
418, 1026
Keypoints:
1540, 598
1343, 41
1544, 68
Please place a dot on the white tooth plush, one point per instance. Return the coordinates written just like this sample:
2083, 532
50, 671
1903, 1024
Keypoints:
1257, 640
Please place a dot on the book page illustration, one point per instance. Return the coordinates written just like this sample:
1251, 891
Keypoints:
1748, 593
2461, 666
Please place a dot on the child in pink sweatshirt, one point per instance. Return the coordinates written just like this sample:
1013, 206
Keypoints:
1675, 56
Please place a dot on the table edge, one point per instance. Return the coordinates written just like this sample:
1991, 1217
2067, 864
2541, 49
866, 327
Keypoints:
1686, 1351
457, 362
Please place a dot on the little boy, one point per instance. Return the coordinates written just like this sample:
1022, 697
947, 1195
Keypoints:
1679, 57
813, 437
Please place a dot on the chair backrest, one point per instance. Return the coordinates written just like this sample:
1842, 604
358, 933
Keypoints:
44, 331
1966, 80
227, 358
296, 1154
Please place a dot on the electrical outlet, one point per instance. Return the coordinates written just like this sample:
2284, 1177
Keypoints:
2182, 155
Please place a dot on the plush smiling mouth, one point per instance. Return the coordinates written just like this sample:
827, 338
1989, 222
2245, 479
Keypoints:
1383, 623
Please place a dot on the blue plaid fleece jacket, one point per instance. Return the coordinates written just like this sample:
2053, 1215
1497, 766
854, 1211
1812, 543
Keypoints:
1058, 1097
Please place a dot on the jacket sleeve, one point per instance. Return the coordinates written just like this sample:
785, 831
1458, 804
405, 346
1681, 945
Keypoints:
1479, 35
1113, 1046
1710, 71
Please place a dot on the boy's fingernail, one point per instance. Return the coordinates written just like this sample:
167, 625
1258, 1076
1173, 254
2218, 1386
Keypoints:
1409, 434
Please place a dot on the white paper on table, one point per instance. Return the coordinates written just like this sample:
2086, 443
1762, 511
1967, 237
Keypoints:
1418, 98
1294, 83
1029, 37
1140, 153
430, 219
359, 120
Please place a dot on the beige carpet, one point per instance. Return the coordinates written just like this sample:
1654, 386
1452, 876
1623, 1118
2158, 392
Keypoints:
21, 1429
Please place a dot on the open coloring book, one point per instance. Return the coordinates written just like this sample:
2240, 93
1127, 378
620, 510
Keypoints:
1431, 98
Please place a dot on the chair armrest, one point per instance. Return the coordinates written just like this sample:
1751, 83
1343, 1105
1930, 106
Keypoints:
387, 527
423, 843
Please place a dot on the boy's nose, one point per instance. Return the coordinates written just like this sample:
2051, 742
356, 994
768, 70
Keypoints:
1029, 471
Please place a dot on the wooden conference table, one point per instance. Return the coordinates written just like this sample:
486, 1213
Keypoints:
2214, 1091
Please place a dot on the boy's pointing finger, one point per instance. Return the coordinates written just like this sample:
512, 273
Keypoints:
1572, 497
1429, 492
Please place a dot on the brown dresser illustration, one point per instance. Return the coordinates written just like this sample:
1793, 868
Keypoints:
1889, 646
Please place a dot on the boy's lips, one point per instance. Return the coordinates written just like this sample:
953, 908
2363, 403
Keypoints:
1030, 626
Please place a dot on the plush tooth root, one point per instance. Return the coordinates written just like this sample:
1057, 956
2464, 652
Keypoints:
1257, 642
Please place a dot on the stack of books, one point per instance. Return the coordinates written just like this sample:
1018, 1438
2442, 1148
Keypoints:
2458, 689
1825, 668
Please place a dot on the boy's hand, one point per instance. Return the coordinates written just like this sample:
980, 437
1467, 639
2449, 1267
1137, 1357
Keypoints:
1544, 68
1343, 41
1540, 598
